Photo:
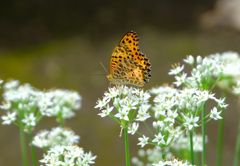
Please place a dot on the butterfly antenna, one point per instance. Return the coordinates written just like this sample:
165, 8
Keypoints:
103, 66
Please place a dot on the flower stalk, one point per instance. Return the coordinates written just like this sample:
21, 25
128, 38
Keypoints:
220, 134
23, 146
203, 135
126, 146
237, 150
34, 161
191, 146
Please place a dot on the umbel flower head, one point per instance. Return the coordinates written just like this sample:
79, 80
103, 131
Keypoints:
68, 155
57, 136
176, 111
131, 105
25, 105
205, 72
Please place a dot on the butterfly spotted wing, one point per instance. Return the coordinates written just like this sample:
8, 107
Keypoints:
128, 65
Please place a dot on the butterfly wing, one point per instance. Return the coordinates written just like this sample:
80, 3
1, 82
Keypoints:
128, 65
129, 72
131, 40
120, 53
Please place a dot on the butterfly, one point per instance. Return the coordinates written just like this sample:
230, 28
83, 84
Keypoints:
128, 65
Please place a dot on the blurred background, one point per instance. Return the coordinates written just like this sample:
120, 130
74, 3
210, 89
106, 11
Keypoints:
59, 44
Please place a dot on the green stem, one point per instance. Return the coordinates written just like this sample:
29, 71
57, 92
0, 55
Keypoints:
191, 146
220, 134
148, 128
62, 121
237, 150
203, 135
163, 154
23, 146
126, 147
32, 150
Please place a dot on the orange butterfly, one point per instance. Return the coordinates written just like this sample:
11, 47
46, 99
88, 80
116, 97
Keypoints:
128, 65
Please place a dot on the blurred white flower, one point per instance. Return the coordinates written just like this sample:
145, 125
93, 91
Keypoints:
57, 136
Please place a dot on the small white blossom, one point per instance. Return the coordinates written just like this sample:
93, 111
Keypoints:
215, 114
29, 120
180, 79
106, 111
123, 114
143, 141
142, 114
189, 60
133, 128
102, 103
176, 70
191, 122
159, 139
11, 117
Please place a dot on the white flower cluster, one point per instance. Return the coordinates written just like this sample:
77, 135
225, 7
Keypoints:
22, 103
131, 105
203, 72
183, 143
173, 162
59, 102
231, 61
57, 136
178, 110
67, 155
231, 72
149, 156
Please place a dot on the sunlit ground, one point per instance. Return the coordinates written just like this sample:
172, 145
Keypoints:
73, 63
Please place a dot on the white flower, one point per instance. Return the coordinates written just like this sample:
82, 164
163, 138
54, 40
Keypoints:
159, 139
133, 128
214, 114
143, 141
142, 114
112, 93
189, 60
29, 120
180, 79
199, 59
11, 117
102, 103
123, 114
191, 122
171, 116
221, 103
106, 111
176, 70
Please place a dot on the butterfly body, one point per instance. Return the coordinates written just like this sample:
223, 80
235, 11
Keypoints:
128, 65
